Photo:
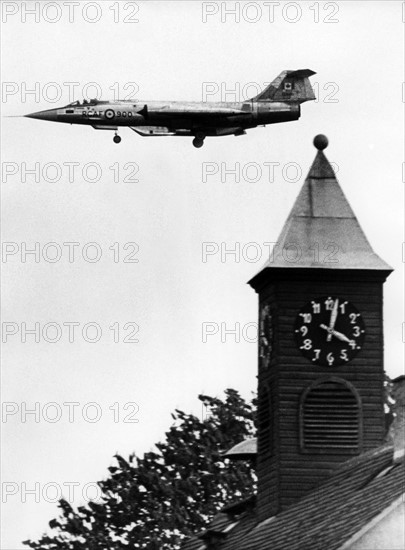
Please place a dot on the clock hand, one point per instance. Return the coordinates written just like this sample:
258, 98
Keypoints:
338, 335
325, 327
333, 317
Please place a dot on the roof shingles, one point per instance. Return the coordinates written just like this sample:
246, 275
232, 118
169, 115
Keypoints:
328, 516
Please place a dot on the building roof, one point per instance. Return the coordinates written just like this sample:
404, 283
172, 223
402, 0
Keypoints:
244, 450
228, 526
327, 517
322, 223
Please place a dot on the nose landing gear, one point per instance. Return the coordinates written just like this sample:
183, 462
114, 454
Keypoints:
117, 138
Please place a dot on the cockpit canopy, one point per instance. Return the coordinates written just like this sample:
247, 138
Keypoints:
84, 102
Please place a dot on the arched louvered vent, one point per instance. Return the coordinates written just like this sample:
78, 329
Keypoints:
330, 416
263, 424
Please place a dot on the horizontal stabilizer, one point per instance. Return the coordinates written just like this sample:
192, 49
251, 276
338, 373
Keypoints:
302, 73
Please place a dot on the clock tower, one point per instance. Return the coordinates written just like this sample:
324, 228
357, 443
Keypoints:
321, 370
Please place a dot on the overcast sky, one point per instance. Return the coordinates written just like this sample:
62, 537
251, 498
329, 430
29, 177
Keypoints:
175, 199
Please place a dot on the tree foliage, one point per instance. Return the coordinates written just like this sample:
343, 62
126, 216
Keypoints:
156, 501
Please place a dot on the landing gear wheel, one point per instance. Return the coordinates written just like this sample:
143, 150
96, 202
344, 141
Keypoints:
198, 142
117, 139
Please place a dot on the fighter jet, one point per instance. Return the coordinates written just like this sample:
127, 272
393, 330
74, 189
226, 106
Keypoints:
279, 102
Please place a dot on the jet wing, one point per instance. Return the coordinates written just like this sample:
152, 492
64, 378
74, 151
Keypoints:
146, 131
153, 131
104, 127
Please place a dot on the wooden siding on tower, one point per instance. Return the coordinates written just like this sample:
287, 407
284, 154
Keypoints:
289, 473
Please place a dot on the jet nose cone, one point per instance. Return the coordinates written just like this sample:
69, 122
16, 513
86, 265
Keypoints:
50, 114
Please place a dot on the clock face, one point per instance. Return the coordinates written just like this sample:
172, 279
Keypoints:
266, 336
329, 331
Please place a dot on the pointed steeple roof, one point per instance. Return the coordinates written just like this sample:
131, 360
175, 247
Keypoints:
322, 230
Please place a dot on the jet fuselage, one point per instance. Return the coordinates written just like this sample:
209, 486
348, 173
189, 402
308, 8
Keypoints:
176, 115
279, 102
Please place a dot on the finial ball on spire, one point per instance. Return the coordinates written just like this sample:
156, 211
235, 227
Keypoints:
321, 142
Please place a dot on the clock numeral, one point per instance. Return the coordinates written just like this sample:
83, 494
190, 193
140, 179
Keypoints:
353, 344
316, 308
307, 344
329, 303
353, 317
343, 308
304, 330
330, 359
317, 353
356, 331
307, 317
343, 355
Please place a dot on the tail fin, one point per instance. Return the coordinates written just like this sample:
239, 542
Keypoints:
289, 86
